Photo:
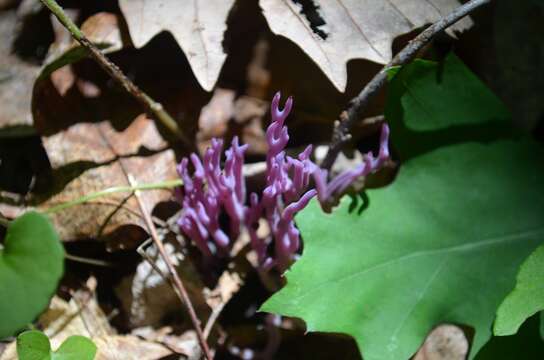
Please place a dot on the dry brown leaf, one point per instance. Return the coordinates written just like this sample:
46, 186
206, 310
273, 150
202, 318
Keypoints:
340, 30
87, 158
224, 115
352, 29
445, 342
102, 29
147, 297
16, 77
129, 347
197, 26
214, 117
186, 343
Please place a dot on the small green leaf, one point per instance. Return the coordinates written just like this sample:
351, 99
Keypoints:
34, 345
31, 265
526, 299
75, 348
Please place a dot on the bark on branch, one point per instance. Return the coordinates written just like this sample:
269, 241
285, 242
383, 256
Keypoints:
341, 133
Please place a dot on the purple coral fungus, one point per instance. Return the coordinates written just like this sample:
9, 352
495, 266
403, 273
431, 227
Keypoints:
212, 191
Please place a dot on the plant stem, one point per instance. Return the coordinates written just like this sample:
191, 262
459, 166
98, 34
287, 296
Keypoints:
341, 133
85, 260
153, 107
174, 277
169, 184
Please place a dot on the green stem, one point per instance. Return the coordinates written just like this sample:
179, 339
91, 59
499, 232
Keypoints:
169, 184
85, 260
64, 19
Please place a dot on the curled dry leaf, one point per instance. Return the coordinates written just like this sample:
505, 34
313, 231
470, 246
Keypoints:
198, 27
349, 29
87, 158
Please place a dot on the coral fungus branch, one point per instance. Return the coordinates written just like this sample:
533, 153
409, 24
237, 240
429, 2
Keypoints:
212, 191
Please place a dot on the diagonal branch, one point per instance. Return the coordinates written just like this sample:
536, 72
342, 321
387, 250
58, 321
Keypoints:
341, 133
152, 107
174, 277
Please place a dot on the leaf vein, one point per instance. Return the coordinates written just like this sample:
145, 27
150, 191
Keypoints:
451, 249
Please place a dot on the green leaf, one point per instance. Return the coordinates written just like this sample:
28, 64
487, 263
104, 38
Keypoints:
526, 299
31, 265
435, 104
70, 56
34, 345
75, 348
525, 345
443, 243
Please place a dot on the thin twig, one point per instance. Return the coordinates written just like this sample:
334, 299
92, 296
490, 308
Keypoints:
153, 107
86, 260
143, 253
174, 277
341, 132
212, 319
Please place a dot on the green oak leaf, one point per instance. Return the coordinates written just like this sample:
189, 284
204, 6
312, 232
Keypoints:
443, 243
31, 265
34, 345
526, 299
433, 104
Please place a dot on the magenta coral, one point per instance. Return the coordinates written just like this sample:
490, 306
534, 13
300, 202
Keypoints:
213, 191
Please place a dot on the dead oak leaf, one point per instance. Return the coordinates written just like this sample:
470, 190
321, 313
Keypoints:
342, 30
331, 32
197, 26
87, 158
